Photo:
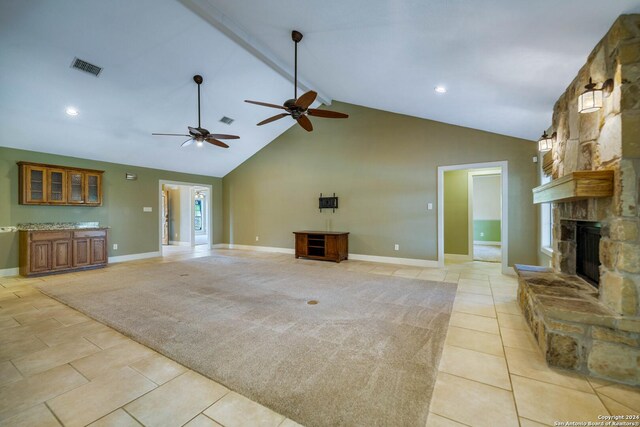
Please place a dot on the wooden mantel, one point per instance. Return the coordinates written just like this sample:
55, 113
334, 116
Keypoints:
576, 186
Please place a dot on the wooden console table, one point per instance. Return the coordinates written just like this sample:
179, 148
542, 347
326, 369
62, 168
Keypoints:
324, 245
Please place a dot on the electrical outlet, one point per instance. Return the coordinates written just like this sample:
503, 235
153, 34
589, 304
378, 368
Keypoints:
115, 246
257, 238
396, 247
481, 234
147, 209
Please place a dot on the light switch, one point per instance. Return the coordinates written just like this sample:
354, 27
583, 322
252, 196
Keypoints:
147, 209
429, 206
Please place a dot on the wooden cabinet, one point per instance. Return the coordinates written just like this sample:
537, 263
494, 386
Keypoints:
75, 188
56, 186
49, 251
325, 245
42, 184
33, 183
40, 259
81, 252
61, 254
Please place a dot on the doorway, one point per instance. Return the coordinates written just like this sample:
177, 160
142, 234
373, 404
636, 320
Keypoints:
465, 233
485, 214
185, 217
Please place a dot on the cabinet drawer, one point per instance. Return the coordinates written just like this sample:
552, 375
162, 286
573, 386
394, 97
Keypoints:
89, 233
49, 235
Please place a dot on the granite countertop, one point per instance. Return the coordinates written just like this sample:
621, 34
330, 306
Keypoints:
30, 226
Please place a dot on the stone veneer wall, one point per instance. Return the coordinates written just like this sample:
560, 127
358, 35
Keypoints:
606, 139
577, 327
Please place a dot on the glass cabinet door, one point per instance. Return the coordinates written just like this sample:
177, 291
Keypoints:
93, 194
36, 184
76, 187
57, 186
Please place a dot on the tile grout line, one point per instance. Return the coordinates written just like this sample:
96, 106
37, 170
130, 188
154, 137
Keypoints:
445, 417
53, 413
550, 383
513, 392
129, 413
76, 369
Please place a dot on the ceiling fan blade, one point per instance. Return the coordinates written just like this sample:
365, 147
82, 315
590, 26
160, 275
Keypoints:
306, 99
170, 134
223, 136
326, 113
272, 119
265, 104
305, 123
187, 142
194, 130
214, 141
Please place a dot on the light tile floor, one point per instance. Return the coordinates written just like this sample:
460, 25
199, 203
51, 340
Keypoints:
57, 366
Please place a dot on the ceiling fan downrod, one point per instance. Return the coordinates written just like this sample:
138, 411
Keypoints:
296, 36
198, 79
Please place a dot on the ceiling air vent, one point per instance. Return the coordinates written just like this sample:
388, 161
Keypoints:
85, 66
226, 120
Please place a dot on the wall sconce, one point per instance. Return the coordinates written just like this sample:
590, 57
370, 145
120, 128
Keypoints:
591, 98
545, 143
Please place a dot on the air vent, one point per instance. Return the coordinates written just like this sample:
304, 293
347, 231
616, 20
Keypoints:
85, 66
226, 120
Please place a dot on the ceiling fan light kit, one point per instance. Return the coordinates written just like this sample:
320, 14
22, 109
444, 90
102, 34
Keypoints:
200, 134
298, 108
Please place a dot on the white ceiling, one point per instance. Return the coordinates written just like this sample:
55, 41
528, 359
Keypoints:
504, 63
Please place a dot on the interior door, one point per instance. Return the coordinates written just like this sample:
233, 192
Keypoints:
165, 217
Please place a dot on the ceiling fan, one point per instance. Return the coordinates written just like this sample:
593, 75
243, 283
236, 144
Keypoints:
298, 108
200, 134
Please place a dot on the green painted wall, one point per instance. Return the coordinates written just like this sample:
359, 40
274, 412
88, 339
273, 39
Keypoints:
456, 212
132, 229
490, 228
383, 168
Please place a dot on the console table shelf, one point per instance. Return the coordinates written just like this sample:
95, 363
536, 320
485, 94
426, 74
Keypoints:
323, 245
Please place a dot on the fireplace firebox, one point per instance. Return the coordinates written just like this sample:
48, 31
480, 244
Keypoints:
588, 251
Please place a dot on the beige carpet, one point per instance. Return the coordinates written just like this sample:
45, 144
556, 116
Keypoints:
365, 355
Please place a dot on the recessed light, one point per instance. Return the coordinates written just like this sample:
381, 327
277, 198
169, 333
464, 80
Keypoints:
440, 89
71, 111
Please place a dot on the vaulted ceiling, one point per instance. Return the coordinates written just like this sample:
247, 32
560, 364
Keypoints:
504, 64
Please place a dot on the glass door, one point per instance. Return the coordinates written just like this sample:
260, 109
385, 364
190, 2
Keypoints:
56, 186
37, 184
75, 187
93, 194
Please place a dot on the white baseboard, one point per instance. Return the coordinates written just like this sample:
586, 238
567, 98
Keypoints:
486, 243
509, 271
133, 257
393, 260
457, 257
179, 243
357, 257
261, 248
9, 272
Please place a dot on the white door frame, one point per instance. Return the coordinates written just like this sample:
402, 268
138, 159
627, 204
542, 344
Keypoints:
473, 173
504, 225
191, 210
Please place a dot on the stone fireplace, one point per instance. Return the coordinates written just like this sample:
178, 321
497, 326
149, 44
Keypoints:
584, 311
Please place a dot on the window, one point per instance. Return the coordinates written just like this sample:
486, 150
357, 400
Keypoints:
546, 219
